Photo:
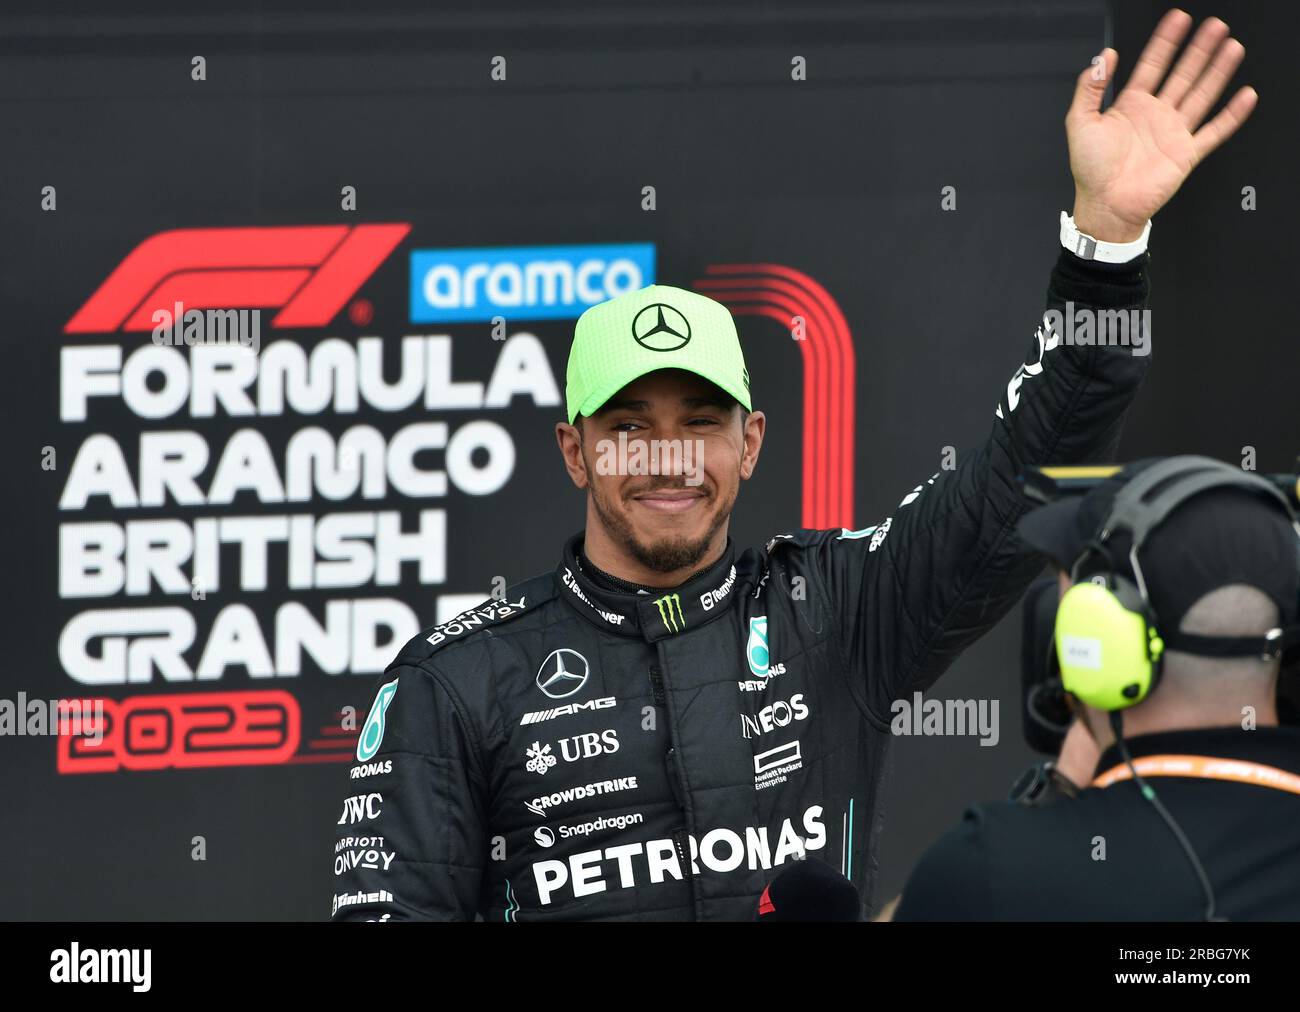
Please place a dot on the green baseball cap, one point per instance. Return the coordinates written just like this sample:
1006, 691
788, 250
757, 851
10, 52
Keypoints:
656, 327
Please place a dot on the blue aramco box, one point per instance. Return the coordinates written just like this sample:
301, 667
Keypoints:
524, 282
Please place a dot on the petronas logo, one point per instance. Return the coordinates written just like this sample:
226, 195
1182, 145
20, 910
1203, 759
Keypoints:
372, 733
670, 610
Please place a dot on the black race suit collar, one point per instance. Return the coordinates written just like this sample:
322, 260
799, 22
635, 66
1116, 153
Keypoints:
653, 617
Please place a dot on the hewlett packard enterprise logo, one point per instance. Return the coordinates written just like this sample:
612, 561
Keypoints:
523, 282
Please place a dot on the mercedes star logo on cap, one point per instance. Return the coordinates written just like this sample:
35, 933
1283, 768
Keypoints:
660, 327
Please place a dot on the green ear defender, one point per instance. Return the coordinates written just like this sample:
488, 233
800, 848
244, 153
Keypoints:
1109, 654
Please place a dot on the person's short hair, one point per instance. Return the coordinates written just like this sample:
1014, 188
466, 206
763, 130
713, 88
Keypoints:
1236, 609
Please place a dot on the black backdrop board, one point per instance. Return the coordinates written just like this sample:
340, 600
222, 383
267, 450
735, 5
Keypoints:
837, 178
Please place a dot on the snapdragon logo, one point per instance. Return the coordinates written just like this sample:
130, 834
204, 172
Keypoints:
524, 282
543, 836
75, 965
955, 717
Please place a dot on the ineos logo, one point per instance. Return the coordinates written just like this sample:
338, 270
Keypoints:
660, 327
779, 714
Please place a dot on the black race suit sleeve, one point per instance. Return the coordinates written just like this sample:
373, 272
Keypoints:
411, 843
909, 595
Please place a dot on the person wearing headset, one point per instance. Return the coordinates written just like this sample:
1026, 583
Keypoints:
1182, 598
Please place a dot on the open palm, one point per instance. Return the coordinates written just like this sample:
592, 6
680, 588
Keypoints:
1128, 161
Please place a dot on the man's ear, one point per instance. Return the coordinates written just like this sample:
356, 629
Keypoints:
569, 439
755, 426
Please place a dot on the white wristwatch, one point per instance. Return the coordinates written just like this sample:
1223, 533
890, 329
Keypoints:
1088, 248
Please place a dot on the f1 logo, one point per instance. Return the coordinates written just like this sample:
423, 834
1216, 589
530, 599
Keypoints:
309, 271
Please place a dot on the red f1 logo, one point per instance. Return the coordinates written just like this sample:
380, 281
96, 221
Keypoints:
308, 270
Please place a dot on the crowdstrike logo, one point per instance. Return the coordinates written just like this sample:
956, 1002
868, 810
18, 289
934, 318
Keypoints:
310, 271
538, 806
563, 673
660, 327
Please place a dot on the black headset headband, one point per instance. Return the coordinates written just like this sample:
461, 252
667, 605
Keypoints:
1139, 509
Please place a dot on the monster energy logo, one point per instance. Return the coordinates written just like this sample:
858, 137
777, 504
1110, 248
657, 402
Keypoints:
670, 610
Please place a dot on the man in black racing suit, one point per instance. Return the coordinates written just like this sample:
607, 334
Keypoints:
653, 729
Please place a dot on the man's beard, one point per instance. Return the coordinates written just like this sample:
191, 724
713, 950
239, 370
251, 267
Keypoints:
668, 555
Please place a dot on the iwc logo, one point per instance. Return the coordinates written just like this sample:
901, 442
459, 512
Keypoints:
660, 327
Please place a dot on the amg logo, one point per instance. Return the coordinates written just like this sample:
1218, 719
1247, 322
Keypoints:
537, 716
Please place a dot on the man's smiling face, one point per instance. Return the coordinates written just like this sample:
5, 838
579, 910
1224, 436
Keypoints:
699, 440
